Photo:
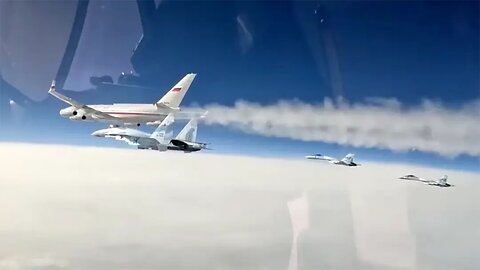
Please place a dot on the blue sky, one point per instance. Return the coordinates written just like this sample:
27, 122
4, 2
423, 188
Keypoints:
269, 51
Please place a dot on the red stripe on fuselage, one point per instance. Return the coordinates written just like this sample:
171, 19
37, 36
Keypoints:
135, 113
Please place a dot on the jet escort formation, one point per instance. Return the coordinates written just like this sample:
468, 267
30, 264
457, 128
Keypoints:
161, 113
348, 161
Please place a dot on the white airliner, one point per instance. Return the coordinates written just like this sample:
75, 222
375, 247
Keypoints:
130, 114
346, 161
185, 140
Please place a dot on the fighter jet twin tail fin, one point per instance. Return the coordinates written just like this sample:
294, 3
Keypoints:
187, 134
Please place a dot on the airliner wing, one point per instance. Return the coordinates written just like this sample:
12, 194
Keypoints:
91, 111
98, 114
63, 98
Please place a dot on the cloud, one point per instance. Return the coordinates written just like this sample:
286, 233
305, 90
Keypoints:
377, 122
45, 262
100, 208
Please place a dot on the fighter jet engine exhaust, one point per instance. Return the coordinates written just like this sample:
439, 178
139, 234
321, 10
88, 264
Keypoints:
377, 122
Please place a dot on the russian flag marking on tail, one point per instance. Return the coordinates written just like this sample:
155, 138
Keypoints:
176, 89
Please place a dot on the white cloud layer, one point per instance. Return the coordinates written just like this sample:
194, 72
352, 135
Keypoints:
40, 263
98, 208
379, 123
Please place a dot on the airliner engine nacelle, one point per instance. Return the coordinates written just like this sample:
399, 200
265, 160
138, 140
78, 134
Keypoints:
75, 114
80, 115
68, 112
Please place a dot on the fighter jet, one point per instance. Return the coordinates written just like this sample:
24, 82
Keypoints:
346, 161
184, 141
130, 114
411, 177
442, 182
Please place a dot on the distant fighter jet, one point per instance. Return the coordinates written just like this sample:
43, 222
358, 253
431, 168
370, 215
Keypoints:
442, 182
411, 177
129, 114
185, 140
346, 161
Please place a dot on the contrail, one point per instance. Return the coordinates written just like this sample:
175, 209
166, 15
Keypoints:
377, 122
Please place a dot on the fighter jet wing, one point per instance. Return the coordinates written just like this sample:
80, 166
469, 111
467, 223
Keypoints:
438, 184
327, 158
128, 139
132, 140
91, 111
